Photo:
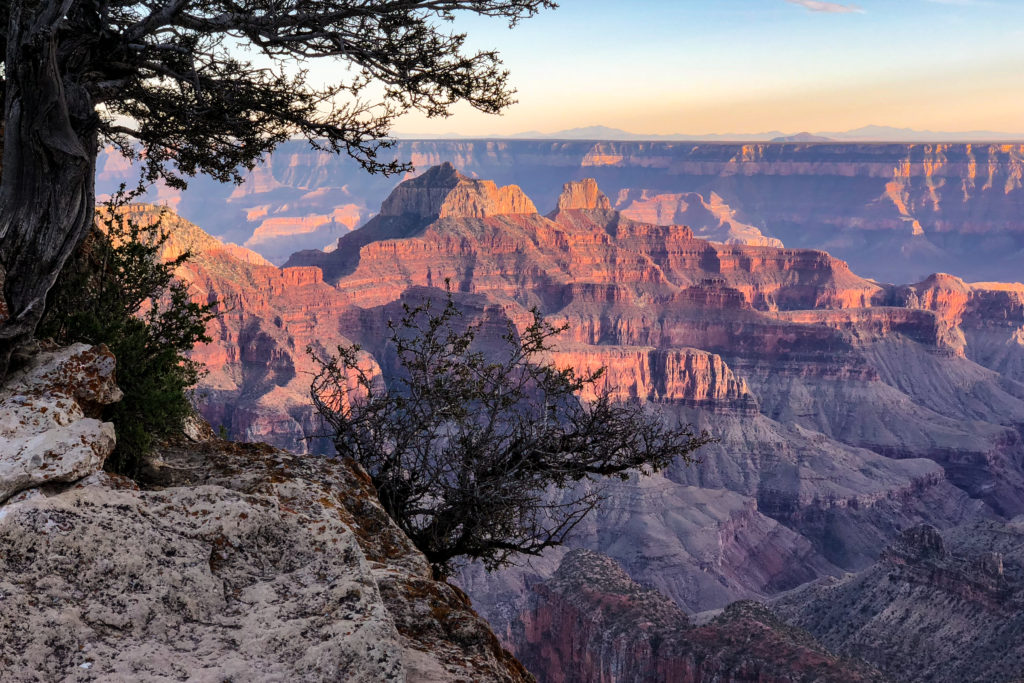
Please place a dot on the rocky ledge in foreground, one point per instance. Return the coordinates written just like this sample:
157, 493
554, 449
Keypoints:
230, 562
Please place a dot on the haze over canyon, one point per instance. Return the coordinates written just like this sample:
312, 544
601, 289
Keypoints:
894, 212
862, 424
296, 385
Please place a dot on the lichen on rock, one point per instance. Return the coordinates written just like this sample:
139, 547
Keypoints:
49, 431
223, 562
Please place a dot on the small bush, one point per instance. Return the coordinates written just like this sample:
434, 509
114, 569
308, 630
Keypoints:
117, 291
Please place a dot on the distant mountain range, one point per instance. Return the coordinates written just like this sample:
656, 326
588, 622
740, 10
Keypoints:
864, 134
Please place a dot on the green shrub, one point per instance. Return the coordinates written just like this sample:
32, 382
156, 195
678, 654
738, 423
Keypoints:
117, 291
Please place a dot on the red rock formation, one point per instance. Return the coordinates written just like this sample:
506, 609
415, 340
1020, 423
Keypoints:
583, 195
894, 211
591, 622
615, 282
993, 326
660, 375
443, 192
278, 235
712, 219
831, 393
257, 386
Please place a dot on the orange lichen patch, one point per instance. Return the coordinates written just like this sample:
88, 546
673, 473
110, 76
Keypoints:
4, 311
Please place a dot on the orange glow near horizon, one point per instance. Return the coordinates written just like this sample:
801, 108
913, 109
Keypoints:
755, 66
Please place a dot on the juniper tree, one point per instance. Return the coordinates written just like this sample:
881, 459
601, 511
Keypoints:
485, 455
206, 86
117, 290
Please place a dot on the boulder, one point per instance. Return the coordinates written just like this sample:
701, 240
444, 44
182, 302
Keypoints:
49, 431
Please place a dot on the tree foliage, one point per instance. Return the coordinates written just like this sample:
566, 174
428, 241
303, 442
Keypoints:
191, 86
117, 291
485, 454
207, 86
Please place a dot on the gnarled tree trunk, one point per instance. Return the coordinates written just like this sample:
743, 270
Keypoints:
47, 190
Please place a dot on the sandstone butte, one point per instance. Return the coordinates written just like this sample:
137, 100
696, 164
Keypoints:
848, 410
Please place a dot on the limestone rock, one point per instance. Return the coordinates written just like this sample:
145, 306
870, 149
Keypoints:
45, 434
232, 562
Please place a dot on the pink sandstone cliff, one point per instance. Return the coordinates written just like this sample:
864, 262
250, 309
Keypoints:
847, 409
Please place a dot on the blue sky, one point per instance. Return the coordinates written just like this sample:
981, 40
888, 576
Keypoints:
746, 66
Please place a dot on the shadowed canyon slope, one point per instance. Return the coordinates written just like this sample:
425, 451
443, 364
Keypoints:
848, 411
895, 212
591, 622
964, 587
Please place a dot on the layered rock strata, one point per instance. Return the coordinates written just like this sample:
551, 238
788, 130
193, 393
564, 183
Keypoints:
847, 410
894, 211
712, 218
591, 622
937, 606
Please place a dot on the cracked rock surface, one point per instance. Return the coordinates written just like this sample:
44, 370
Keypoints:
48, 426
224, 562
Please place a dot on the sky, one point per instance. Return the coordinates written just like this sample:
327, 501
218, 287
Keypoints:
663, 67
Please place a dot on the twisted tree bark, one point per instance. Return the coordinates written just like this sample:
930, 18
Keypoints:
47, 191
178, 95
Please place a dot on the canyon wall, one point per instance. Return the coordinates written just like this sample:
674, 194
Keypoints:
895, 212
846, 410
592, 622
963, 587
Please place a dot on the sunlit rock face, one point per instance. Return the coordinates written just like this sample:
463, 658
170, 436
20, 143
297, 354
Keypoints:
846, 410
258, 369
443, 192
712, 218
583, 195
895, 212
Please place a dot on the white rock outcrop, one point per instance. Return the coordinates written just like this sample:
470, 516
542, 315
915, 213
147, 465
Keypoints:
223, 562
48, 432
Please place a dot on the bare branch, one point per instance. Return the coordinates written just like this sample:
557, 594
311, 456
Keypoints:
485, 455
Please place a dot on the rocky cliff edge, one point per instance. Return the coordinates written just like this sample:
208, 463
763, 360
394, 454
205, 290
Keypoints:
223, 562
